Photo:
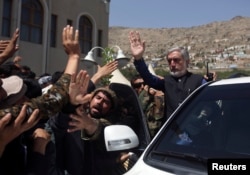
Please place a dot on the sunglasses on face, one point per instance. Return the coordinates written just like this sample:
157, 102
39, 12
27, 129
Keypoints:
138, 85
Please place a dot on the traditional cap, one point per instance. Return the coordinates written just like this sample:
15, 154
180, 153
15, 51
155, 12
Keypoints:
14, 88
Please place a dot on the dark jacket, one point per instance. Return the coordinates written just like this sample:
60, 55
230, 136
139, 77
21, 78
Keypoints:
18, 160
80, 154
175, 91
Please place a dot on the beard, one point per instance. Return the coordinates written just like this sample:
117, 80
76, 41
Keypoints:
180, 72
95, 112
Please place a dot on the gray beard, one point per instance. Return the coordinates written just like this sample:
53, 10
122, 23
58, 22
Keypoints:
178, 73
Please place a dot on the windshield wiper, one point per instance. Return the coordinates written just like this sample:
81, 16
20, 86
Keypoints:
186, 156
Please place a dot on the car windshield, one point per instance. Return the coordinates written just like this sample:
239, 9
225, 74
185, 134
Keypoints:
214, 123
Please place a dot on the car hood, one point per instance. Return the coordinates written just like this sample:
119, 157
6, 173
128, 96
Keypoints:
141, 168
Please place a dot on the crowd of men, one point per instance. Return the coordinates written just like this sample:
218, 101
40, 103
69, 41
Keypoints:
54, 123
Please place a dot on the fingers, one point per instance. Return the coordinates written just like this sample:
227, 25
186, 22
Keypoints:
83, 121
74, 123
70, 33
85, 99
82, 78
72, 130
131, 36
5, 120
137, 36
75, 119
64, 34
14, 39
4, 43
33, 119
79, 78
82, 112
135, 39
85, 80
20, 118
67, 33
17, 47
134, 36
109, 67
113, 63
70, 40
112, 66
73, 78
77, 35
15, 35
41, 133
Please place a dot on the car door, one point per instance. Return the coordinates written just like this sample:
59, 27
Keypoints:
128, 99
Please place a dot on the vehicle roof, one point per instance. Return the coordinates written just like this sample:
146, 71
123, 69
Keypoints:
239, 80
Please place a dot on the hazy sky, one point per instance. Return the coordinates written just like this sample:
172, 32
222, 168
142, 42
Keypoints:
174, 13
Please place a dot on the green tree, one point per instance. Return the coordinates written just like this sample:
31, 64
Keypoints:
108, 55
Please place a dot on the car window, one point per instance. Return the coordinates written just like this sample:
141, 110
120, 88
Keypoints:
214, 123
130, 112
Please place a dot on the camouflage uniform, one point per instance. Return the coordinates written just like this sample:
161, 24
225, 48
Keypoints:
155, 115
144, 99
154, 111
48, 104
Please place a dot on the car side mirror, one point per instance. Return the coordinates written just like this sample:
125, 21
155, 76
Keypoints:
120, 137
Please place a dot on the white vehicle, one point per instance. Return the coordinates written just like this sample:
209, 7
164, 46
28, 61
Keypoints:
213, 123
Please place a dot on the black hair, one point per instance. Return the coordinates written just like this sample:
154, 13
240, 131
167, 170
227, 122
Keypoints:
33, 88
55, 76
110, 94
9, 68
26, 68
132, 81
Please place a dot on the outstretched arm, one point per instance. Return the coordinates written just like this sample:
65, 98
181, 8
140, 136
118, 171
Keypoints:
105, 70
54, 100
72, 48
82, 120
8, 47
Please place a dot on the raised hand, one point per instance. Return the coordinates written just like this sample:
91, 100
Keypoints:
3, 45
82, 120
108, 68
71, 41
136, 45
9, 47
105, 70
78, 88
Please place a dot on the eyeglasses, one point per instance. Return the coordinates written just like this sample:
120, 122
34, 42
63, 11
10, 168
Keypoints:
138, 85
175, 60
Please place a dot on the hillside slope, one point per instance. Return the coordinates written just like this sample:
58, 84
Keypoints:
203, 38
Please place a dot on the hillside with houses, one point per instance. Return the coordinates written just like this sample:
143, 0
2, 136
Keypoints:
224, 44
